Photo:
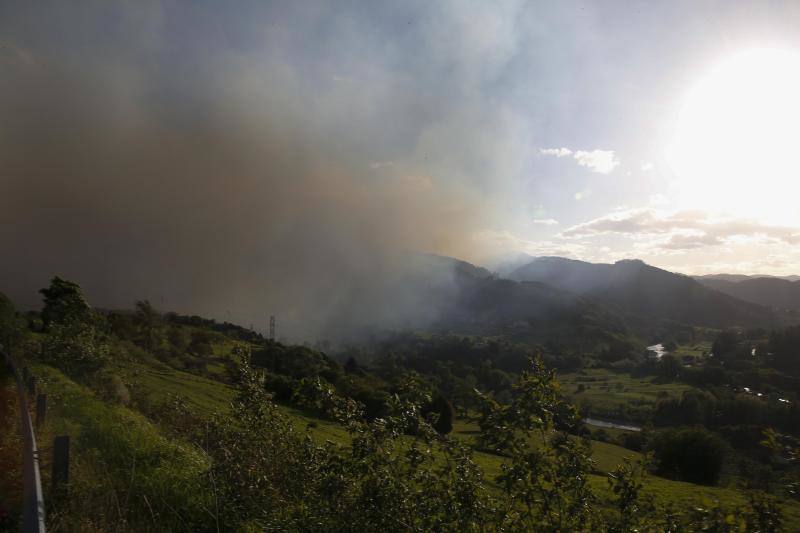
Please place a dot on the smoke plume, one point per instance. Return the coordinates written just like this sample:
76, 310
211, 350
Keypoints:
272, 159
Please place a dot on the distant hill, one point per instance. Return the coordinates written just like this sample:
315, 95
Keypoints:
771, 292
644, 293
476, 302
508, 263
736, 278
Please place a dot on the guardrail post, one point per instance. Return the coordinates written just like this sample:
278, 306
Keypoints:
25, 374
41, 409
32, 385
60, 464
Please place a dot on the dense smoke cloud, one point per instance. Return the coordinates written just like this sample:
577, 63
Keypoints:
275, 159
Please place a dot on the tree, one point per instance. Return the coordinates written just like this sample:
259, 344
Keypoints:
64, 302
73, 343
445, 415
669, 366
690, 454
785, 349
726, 344
150, 325
179, 338
9, 323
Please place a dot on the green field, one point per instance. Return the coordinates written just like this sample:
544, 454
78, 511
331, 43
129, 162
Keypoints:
209, 396
695, 350
619, 396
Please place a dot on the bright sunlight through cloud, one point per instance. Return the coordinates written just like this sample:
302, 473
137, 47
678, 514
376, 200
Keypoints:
736, 141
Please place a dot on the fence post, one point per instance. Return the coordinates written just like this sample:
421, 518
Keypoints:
60, 464
41, 409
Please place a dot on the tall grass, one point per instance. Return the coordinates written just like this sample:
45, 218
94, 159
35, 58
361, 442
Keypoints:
124, 474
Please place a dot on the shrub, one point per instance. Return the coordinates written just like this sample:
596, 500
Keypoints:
689, 454
75, 348
633, 440
113, 389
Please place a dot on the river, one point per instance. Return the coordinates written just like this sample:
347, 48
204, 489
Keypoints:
609, 424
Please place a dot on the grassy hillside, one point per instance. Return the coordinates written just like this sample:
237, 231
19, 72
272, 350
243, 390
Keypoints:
129, 473
125, 472
211, 396
171, 426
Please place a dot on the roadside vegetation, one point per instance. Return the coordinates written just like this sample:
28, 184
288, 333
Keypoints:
181, 423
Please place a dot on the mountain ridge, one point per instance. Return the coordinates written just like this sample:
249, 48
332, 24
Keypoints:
643, 292
772, 292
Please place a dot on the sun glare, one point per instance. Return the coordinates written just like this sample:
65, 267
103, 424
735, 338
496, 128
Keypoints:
736, 145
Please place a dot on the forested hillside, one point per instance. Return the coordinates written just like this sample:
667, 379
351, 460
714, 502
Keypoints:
769, 292
645, 294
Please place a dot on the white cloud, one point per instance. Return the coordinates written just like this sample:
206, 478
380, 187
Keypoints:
683, 230
558, 152
545, 221
775, 264
601, 161
657, 200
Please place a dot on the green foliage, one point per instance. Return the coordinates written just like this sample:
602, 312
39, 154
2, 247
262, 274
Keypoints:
785, 349
64, 303
445, 414
257, 469
10, 326
689, 454
693, 407
111, 388
75, 348
72, 342
150, 325
727, 346
270, 477
364, 451
546, 481
124, 474
634, 510
669, 367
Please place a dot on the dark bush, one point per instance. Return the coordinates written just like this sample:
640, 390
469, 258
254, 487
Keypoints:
281, 387
445, 415
689, 454
632, 440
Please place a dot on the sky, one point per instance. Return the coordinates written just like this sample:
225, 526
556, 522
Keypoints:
241, 158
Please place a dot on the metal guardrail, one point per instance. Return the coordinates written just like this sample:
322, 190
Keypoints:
33, 510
